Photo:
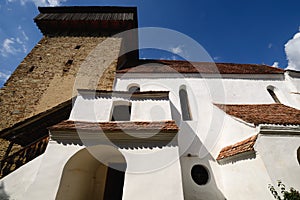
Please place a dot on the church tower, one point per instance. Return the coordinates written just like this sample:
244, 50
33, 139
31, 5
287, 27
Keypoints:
77, 43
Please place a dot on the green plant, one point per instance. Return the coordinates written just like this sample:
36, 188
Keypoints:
292, 194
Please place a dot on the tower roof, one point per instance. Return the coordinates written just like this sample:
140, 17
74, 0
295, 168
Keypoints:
86, 20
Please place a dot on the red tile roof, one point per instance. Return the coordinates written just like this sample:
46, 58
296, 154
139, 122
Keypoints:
168, 66
238, 148
163, 126
264, 113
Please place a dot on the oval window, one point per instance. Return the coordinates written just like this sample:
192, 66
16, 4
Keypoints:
200, 174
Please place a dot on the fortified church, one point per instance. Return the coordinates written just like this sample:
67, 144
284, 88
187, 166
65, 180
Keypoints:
82, 117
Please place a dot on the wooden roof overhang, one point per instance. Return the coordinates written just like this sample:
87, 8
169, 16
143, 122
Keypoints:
35, 128
154, 95
86, 20
122, 133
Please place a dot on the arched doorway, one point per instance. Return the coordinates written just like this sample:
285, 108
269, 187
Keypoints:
96, 173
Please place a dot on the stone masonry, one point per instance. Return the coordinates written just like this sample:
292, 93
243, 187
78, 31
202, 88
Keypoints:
46, 77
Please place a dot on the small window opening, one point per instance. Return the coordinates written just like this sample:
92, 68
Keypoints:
78, 47
69, 62
273, 95
134, 89
31, 69
200, 175
298, 155
67, 66
184, 102
121, 113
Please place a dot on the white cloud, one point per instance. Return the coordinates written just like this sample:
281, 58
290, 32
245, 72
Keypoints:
292, 50
177, 50
8, 47
40, 2
23, 33
275, 64
15, 45
12, 46
216, 58
270, 45
4, 76
55, 2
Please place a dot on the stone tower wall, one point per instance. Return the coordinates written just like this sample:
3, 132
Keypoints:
45, 78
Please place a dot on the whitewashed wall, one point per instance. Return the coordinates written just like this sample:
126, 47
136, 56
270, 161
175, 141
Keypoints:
210, 129
246, 179
279, 155
40, 178
100, 109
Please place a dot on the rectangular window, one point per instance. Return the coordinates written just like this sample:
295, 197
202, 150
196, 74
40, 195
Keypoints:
121, 113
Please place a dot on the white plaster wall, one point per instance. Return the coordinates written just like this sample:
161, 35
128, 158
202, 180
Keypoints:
279, 154
40, 178
210, 130
276, 159
246, 179
293, 79
152, 174
100, 109
210, 191
294, 85
237, 91
150, 110
91, 109
205, 150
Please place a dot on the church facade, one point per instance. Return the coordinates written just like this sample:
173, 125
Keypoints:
84, 120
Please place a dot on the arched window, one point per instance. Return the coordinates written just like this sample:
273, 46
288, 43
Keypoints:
272, 93
184, 102
121, 111
134, 88
298, 155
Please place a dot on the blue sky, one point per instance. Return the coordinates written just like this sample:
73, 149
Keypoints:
230, 31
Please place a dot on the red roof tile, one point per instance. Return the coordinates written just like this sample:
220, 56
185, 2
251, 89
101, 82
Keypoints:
263, 113
163, 126
168, 66
238, 148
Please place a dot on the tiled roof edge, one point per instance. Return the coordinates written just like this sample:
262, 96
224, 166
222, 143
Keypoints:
161, 126
286, 119
238, 148
210, 67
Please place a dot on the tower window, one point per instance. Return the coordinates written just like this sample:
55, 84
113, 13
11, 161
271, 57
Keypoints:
31, 69
69, 62
184, 102
121, 113
77, 47
273, 95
